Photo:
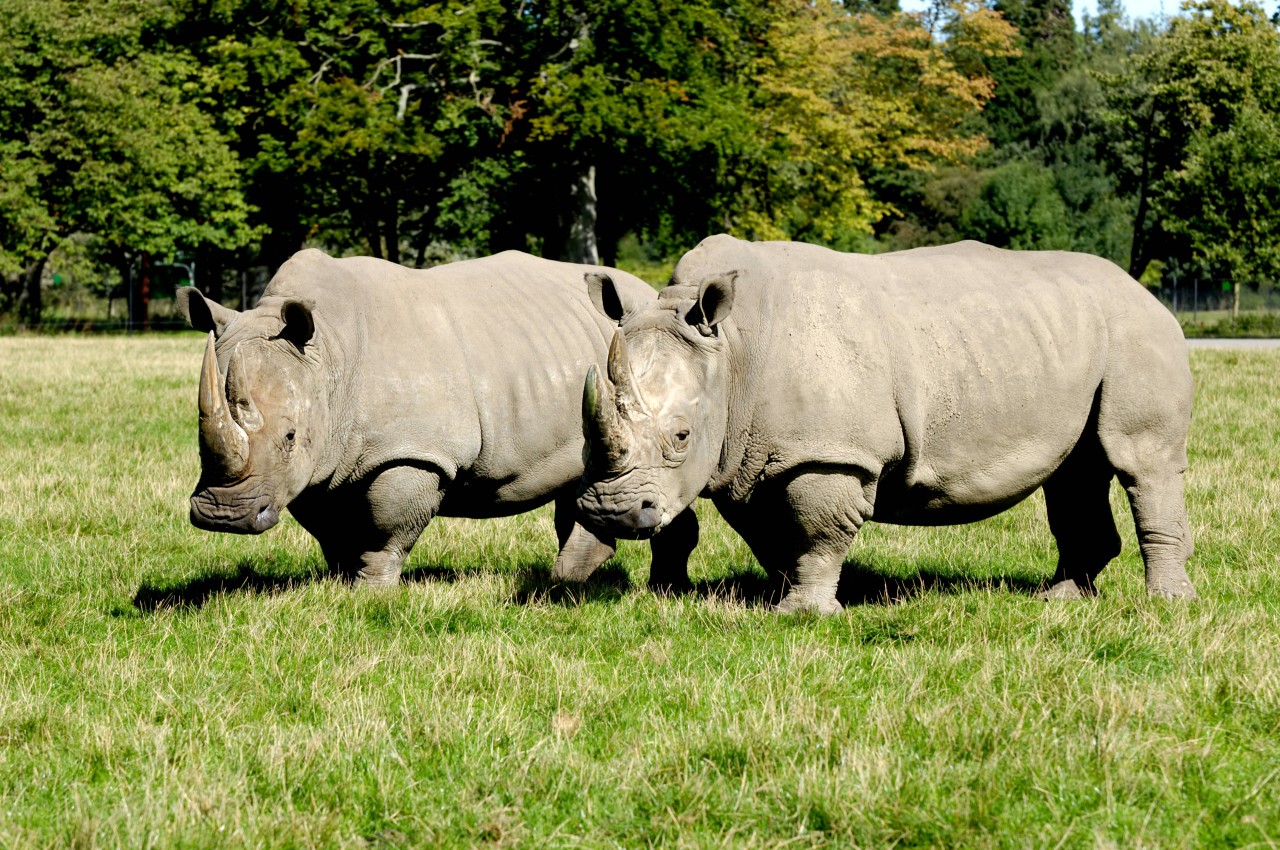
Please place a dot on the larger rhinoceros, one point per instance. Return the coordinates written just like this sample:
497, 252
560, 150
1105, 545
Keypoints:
367, 398
807, 391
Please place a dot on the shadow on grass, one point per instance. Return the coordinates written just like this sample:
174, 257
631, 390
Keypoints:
437, 573
607, 584
859, 585
247, 578
196, 592
862, 585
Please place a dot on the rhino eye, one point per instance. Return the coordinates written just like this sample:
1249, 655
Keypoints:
682, 435
290, 435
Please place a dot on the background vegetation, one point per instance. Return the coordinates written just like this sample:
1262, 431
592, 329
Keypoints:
167, 687
224, 133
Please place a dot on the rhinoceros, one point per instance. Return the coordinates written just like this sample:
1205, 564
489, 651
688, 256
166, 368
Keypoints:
807, 391
367, 398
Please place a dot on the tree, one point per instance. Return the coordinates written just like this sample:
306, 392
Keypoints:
1046, 50
111, 138
1226, 202
1214, 73
841, 97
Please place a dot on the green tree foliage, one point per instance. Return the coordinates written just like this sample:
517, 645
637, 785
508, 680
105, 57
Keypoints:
353, 117
1019, 207
1194, 114
1047, 49
108, 135
238, 131
841, 97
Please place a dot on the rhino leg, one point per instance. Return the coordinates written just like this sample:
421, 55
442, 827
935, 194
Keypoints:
1143, 419
402, 500
818, 521
581, 552
669, 569
1164, 534
1080, 518
328, 518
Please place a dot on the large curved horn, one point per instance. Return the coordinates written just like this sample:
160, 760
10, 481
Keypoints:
243, 410
224, 446
607, 438
622, 378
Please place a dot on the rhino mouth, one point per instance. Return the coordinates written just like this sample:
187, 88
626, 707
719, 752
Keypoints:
222, 509
636, 518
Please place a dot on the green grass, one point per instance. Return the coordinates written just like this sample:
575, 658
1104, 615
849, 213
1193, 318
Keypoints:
161, 686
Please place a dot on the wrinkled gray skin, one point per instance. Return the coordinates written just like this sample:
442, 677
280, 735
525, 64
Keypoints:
807, 391
367, 398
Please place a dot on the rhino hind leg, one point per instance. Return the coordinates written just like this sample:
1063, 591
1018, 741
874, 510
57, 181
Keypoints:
581, 552
1080, 518
1143, 419
1164, 534
669, 569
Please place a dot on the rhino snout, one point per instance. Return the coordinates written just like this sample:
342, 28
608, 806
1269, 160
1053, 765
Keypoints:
216, 509
635, 515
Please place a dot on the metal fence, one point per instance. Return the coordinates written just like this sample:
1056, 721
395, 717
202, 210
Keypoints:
1197, 300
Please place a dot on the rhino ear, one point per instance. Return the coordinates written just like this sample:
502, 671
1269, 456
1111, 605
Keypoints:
715, 301
201, 313
299, 325
604, 295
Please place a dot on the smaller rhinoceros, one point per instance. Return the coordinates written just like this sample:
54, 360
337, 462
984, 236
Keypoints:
367, 398
807, 391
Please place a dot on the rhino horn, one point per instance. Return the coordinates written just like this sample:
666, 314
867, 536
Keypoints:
224, 444
622, 378
243, 410
607, 443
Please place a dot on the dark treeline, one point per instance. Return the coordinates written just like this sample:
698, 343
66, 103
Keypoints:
228, 134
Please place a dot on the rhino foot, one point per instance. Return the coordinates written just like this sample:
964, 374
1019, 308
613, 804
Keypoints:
365, 578
1069, 589
1177, 589
794, 604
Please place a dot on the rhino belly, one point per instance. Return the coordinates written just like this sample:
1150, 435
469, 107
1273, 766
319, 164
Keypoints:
931, 504
965, 474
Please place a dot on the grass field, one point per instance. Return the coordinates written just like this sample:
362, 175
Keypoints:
165, 687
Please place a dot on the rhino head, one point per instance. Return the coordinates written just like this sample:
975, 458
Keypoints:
655, 421
263, 411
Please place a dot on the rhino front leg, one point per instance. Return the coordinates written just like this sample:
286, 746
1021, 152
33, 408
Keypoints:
669, 569
402, 500
819, 516
581, 552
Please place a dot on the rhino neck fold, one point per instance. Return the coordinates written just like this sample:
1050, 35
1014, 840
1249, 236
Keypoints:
738, 467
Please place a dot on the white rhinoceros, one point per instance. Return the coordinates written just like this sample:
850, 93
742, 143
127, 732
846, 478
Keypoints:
807, 391
367, 398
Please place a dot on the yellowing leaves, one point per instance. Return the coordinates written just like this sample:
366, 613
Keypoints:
839, 94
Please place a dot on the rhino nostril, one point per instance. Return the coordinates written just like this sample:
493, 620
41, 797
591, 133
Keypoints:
648, 505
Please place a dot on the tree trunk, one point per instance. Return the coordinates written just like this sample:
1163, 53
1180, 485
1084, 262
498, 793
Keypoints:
1138, 255
1235, 301
391, 229
582, 247
31, 299
144, 291
124, 268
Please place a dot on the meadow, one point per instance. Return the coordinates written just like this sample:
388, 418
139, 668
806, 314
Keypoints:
161, 686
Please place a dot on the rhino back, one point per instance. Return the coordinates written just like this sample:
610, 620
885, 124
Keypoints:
473, 367
961, 375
